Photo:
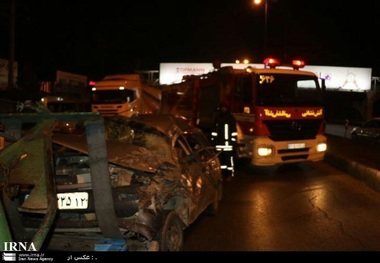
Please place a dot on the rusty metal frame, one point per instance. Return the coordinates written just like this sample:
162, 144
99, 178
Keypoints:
40, 135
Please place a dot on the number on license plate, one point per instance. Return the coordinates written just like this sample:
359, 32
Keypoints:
77, 200
296, 145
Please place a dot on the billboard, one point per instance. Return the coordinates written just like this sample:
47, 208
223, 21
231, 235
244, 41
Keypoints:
173, 72
336, 78
344, 78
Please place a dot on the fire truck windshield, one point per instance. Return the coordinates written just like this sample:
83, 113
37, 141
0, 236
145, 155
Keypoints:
113, 96
287, 90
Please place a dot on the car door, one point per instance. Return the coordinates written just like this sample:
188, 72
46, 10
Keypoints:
200, 167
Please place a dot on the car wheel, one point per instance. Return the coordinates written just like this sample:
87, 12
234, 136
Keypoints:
171, 235
354, 136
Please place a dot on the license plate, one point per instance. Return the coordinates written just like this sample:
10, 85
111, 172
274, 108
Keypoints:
296, 145
77, 200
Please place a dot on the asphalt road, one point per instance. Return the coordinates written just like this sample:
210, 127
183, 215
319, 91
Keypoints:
306, 207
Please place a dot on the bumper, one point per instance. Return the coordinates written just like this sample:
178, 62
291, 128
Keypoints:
287, 151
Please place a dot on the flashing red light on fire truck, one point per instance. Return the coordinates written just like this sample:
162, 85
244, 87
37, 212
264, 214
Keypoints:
297, 64
271, 62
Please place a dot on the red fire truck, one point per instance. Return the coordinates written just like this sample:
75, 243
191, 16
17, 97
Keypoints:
278, 109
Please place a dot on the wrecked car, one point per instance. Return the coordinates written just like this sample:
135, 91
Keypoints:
162, 174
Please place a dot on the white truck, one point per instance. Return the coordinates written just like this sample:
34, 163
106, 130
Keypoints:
126, 95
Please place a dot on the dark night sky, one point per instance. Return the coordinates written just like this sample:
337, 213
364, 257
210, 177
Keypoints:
95, 38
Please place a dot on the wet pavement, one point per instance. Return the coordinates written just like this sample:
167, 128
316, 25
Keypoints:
360, 159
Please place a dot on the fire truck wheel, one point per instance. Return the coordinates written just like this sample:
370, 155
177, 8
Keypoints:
171, 235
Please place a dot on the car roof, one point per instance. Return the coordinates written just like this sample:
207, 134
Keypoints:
127, 155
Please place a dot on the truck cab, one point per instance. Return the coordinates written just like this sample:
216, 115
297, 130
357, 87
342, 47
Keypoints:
117, 95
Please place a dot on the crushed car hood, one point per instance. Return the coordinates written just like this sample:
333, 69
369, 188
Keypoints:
123, 154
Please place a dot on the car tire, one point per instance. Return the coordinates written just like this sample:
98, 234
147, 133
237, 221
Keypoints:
354, 136
171, 234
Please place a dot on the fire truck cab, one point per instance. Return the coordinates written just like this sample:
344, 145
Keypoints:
279, 109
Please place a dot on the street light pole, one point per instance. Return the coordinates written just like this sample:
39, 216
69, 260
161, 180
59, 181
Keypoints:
11, 45
265, 27
266, 4
259, 2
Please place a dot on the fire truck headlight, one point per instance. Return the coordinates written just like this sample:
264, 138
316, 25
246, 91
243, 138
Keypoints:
264, 151
321, 147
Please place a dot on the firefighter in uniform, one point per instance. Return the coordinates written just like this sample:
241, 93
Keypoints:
224, 138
